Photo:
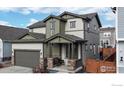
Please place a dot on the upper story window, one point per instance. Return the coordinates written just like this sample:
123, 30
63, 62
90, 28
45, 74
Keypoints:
52, 27
95, 28
88, 26
73, 24
94, 49
91, 47
107, 34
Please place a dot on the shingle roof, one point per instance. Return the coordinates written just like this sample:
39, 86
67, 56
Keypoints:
37, 35
91, 15
53, 16
38, 38
37, 25
84, 16
11, 33
69, 13
107, 29
28, 41
66, 36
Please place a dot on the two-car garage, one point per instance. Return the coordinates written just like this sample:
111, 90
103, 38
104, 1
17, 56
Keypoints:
28, 50
26, 58
27, 55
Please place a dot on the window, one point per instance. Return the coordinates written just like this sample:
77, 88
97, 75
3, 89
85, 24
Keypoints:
73, 24
91, 47
107, 34
94, 49
88, 27
52, 27
86, 47
102, 44
95, 27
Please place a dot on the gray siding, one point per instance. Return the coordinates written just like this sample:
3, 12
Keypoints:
92, 37
7, 49
121, 22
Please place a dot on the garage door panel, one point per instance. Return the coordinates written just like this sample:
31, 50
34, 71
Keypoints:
27, 58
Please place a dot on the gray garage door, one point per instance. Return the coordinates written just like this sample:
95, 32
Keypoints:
27, 58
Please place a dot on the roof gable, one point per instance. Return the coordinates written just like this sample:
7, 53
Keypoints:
67, 37
52, 16
27, 37
69, 13
59, 17
31, 35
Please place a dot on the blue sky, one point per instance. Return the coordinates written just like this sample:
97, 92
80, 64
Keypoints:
24, 16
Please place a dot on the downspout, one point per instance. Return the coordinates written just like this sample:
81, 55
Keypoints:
3, 50
83, 54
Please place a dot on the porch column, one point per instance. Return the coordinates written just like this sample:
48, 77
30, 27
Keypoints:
50, 50
79, 51
69, 51
72, 49
83, 53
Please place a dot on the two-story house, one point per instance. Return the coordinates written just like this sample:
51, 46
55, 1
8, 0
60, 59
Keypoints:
69, 36
107, 37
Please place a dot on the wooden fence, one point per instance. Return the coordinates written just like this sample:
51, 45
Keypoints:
97, 66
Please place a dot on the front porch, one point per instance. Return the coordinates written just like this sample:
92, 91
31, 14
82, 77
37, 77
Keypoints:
69, 51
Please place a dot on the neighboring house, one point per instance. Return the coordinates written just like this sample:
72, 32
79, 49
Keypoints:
107, 37
120, 40
66, 36
6, 35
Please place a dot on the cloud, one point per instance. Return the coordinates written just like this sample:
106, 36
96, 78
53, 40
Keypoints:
32, 21
5, 23
105, 13
108, 25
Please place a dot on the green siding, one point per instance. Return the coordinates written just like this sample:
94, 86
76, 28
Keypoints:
67, 16
62, 27
59, 40
28, 37
57, 27
55, 50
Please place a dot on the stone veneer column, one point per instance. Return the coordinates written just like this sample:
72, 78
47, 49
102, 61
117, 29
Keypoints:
12, 60
50, 62
71, 64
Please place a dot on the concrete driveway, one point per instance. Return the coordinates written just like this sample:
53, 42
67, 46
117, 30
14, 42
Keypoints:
16, 69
